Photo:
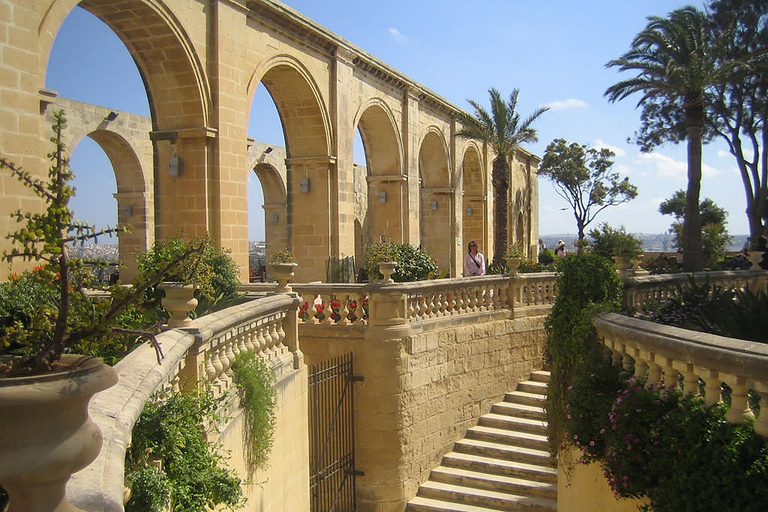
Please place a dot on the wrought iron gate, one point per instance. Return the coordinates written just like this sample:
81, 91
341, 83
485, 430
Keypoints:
332, 436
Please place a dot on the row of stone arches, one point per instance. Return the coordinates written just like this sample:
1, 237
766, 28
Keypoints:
201, 69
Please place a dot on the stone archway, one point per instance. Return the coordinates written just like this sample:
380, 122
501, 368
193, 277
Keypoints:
386, 180
474, 203
310, 181
436, 199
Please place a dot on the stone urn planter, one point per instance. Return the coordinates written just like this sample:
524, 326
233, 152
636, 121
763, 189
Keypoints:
513, 264
283, 272
387, 268
623, 265
179, 300
46, 434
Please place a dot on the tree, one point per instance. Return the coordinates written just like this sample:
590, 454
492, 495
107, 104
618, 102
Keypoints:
676, 65
503, 130
714, 235
582, 176
739, 106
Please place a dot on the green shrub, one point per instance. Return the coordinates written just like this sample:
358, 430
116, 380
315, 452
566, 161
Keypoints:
212, 271
174, 429
547, 257
412, 264
609, 242
588, 286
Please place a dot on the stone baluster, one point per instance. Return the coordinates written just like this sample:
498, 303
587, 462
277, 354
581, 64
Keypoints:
453, 305
328, 311
250, 338
713, 393
739, 409
281, 345
344, 310
360, 311
761, 423
654, 371
273, 337
260, 337
690, 382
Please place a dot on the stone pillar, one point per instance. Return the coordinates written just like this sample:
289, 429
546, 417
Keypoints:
134, 212
310, 219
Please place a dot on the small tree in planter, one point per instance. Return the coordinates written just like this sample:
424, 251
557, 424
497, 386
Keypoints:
44, 392
616, 244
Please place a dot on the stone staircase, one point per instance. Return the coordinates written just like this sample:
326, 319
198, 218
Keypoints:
502, 464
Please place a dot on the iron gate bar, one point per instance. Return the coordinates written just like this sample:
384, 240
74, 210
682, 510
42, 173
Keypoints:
332, 484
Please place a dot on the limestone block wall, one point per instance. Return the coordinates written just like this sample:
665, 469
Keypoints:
421, 392
284, 484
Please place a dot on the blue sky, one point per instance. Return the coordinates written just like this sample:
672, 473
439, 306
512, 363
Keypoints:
554, 52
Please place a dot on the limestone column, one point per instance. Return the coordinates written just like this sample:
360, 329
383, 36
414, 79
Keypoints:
411, 204
310, 216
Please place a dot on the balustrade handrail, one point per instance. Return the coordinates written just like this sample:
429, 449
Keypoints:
266, 325
662, 353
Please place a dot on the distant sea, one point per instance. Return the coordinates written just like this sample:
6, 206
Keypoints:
651, 242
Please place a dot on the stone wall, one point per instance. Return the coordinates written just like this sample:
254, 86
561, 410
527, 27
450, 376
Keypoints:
421, 391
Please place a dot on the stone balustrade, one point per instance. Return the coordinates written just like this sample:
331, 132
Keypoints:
681, 358
203, 352
356, 304
641, 290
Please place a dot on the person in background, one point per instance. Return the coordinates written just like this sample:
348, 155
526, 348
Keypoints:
560, 249
474, 261
542, 246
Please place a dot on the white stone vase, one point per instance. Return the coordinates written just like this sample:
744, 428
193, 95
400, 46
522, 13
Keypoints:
387, 268
179, 300
46, 434
623, 265
283, 272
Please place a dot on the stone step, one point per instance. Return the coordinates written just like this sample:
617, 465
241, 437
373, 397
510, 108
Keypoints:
540, 376
510, 437
422, 504
483, 498
520, 411
532, 386
503, 467
525, 398
503, 451
490, 482
511, 423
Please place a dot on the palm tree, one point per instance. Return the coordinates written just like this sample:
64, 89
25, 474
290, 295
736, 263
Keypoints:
676, 67
503, 130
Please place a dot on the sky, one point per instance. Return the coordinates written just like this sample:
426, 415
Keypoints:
553, 51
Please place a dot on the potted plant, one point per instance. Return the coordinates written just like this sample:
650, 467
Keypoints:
188, 280
624, 248
45, 432
282, 263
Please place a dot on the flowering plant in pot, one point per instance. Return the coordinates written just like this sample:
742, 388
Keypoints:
45, 433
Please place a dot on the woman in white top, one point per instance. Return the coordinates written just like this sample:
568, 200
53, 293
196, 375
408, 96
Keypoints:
474, 262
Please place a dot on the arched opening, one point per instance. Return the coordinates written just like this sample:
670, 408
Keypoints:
110, 153
436, 203
304, 170
474, 214
385, 178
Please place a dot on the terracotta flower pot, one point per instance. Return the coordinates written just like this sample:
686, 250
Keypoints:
46, 434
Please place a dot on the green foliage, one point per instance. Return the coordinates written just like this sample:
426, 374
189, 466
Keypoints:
741, 314
714, 235
609, 242
588, 286
657, 443
255, 383
213, 272
547, 257
284, 256
583, 177
174, 429
68, 315
412, 264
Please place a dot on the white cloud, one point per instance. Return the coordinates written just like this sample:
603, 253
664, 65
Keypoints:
616, 150
667, 168
397, 35
567, 104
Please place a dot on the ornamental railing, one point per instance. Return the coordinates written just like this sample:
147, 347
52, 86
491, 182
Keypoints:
675, 357
404, 303
642, 290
